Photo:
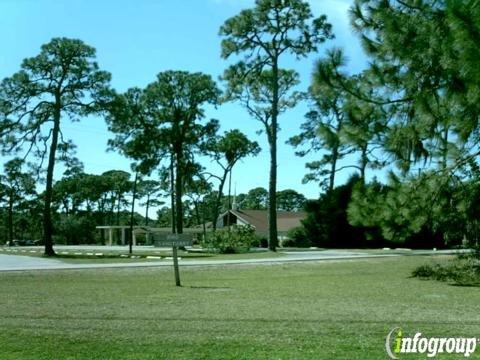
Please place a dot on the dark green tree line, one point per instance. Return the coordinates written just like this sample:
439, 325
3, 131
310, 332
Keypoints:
17, 186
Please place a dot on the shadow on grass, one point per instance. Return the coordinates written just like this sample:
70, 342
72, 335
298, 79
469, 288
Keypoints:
473, 285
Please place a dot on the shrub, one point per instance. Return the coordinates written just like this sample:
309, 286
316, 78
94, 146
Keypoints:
259, 241
436, 272
464, 271
297, 237
327, 224
424, 271
473, 254
236, 240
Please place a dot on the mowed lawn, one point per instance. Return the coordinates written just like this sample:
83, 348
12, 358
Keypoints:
328, 310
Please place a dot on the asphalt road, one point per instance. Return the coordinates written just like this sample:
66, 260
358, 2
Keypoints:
18, 262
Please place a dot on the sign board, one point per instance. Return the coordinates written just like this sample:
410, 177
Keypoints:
173, 240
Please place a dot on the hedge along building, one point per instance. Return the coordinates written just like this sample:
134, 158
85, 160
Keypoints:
286, 220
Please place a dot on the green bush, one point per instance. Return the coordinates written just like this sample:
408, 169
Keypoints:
238, 240
297, 237
473, 254
464, 271
436, 272
327, 222
259, 241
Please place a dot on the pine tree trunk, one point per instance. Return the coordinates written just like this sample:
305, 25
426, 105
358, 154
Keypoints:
47, 213
218, 202
111, 215
333, 169
196, 207
178, 193
272, 202
146, 210
272, 188
229, 218
132, 213
118, 208
445, 148
172, 194
10, 217
204, 225
363, 164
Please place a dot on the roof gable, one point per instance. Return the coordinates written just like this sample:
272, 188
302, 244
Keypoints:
286, 220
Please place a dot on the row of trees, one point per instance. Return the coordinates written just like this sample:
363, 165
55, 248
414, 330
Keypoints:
413, 110
160, 127
77, 199
81, 201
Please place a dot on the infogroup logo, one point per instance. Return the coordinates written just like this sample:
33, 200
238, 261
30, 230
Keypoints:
396, 343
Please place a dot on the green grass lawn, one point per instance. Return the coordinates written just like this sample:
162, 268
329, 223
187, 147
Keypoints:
329, 310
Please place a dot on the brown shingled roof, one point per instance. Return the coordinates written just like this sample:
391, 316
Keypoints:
286, 220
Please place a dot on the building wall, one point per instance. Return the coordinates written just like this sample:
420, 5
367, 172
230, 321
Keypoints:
223, 221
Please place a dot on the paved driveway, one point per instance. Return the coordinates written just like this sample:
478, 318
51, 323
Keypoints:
16, 262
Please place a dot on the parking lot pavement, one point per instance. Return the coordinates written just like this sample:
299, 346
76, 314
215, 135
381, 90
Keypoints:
18, 262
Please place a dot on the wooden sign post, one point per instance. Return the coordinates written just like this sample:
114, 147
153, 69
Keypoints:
175, 265
175, 240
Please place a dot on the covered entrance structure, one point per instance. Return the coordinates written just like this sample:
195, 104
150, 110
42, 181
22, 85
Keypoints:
118, 234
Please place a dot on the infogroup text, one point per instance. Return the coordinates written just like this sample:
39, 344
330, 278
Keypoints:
396, 343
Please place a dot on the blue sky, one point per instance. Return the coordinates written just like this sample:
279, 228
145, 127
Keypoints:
135, 40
